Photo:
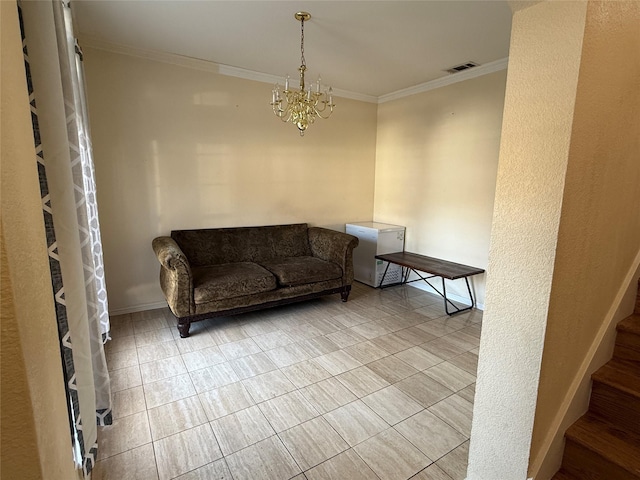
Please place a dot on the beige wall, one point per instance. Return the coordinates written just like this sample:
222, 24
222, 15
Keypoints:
436, 164
599, 235
544, 59
35, 427
177, 147
169, 120
566, 227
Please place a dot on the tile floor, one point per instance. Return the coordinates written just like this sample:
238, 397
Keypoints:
380, 387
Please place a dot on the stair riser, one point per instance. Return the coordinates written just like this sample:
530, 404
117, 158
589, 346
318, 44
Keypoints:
586, 464
626, 349
617, 407
628, 339
562, 475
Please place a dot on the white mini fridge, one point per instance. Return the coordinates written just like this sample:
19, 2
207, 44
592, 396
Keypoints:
376, 239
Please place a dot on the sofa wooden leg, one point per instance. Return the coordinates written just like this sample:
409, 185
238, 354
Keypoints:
183, 328
345, 295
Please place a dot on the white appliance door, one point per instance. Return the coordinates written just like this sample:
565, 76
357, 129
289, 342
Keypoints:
364, 267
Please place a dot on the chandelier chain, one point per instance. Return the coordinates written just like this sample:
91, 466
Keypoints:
304, 63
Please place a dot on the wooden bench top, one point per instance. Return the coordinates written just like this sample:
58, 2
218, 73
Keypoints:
434, 266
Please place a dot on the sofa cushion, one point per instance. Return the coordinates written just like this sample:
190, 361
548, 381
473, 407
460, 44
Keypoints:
292, 271
230, 280
215, 246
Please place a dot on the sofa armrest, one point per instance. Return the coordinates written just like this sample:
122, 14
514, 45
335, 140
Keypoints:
176, 278
336, 247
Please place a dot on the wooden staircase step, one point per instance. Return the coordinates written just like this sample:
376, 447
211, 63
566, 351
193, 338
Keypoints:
620, 374
596, 450
563, 475
628, 339
615, 394
631, 324
604, 444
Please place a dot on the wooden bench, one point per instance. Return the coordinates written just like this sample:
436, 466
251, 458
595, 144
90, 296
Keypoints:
435, 267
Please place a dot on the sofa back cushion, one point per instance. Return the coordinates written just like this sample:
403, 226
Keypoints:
214, 246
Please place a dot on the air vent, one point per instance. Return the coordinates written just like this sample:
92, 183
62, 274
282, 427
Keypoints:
460, 68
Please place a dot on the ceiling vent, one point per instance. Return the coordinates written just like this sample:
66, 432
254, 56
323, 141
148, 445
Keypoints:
460, 68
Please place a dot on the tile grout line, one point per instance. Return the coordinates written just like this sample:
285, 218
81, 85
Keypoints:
308, 318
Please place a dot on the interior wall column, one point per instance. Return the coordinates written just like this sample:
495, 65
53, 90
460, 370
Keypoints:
544, 62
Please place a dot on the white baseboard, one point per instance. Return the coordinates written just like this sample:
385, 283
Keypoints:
137, 308
451, 296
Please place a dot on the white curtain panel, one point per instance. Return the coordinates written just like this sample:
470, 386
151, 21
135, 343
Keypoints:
63, 151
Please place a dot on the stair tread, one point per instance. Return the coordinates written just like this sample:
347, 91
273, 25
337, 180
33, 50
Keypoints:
620, 374
630, 324
621, 448
563, 475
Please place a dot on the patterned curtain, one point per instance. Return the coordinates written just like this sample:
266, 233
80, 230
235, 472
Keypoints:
53, 64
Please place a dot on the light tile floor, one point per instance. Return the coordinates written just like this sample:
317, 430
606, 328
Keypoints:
380, 387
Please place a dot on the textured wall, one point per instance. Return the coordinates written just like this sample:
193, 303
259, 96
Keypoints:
544, 62
35, 427
599, 234
177, 147
436, 164
566, 226
18, 427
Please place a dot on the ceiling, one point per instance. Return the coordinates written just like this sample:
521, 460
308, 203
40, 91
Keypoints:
371, 48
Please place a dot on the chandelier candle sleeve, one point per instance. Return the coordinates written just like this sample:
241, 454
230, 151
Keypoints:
302, 107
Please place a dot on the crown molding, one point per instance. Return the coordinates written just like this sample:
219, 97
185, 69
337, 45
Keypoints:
206, 66
479, 71
228, 70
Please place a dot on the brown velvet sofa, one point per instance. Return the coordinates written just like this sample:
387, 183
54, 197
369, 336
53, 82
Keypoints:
225, 271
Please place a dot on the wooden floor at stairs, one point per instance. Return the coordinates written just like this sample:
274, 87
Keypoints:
604, 444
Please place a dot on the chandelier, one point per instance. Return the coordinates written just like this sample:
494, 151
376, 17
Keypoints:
301, 107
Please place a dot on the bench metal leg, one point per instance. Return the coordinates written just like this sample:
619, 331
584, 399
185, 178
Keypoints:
404, 278
384, 275
447, 301
406, 271
443, 294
